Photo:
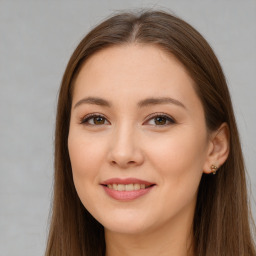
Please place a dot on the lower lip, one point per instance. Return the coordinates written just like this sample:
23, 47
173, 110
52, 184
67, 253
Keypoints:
126, 195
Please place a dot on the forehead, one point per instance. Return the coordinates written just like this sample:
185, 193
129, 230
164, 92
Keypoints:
136, 70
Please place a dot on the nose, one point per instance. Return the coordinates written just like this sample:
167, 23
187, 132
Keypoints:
125, 150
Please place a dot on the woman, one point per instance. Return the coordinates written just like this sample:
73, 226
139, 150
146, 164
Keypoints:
147, 154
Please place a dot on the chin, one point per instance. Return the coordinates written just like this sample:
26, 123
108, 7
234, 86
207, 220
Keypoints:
125, 228
127, 223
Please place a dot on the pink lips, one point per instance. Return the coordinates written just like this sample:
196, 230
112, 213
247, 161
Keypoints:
126, 195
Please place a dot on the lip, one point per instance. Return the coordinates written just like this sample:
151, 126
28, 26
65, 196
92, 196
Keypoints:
127, 195
126, 181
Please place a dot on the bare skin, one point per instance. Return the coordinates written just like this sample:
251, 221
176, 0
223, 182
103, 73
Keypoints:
135, 114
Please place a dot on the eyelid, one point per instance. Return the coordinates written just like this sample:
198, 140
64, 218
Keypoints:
161, 114
86, 118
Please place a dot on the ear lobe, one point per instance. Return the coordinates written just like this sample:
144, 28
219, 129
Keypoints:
218, 149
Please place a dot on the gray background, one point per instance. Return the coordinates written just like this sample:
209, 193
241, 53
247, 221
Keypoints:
36, 41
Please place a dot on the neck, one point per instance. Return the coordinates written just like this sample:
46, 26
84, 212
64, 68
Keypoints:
174, 238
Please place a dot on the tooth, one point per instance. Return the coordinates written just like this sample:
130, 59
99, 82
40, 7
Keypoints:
120, 187
126, 187
136, 186
129, 187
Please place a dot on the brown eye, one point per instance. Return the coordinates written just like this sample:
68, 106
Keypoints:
98, 120
160, 120
94, 120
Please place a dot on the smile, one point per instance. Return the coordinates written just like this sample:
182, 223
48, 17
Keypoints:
126, 189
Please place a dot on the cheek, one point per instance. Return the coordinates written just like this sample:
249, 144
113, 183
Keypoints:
182, 148
86, 156
83, 151
179, 159
179, 162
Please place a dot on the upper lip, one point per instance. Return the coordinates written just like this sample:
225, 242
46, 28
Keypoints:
126, 181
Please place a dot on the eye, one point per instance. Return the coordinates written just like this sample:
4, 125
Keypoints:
94, 119
160, 120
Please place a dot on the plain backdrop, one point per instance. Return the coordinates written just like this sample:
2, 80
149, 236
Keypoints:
36, 41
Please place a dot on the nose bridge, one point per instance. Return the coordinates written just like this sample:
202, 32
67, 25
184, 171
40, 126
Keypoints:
125, 149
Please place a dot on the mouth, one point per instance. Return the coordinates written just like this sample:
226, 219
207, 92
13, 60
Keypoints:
126, 189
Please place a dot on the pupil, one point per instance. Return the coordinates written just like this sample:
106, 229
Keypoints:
98, 120
160, 120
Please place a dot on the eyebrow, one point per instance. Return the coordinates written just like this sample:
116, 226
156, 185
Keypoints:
142, 103
163, 100
93, 101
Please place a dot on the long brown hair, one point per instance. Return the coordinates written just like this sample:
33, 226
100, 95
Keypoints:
222, 215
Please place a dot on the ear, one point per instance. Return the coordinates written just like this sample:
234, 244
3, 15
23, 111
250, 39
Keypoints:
218, 149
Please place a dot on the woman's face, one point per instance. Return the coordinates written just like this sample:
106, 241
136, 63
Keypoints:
138, 141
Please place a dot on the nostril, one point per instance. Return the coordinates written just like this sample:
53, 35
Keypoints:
123, 164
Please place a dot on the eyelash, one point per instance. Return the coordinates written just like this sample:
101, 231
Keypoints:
162, 115
85, 120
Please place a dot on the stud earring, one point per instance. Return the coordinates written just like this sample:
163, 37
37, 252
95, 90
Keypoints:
214, 169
